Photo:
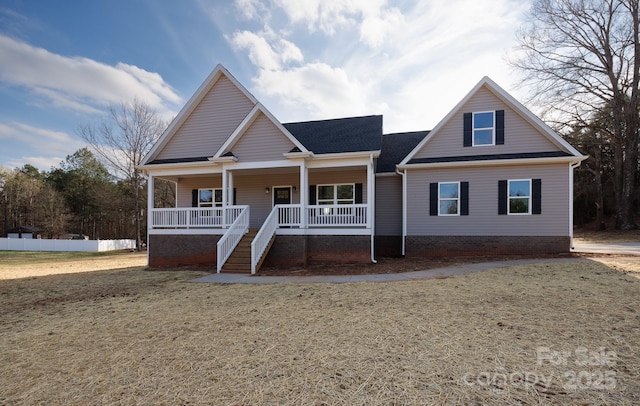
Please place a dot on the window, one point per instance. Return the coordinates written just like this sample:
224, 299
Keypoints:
483, 128
336, 194
448, 198
519, 196
209, 197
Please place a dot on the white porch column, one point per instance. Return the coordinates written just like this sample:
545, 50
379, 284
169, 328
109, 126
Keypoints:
304, 191
230, 191
371, 197
150, 206
150, 201
225, 193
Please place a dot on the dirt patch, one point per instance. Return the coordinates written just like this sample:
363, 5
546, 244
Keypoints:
149, 337
42, 264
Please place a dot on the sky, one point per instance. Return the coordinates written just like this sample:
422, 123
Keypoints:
64, 63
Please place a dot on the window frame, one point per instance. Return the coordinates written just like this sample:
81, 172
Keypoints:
474, 129
456, 199
529, 197
335, 200
214, 203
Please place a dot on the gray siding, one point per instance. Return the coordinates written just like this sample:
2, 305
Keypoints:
483, 218
520, 136
389, 205
342, 175
250, 191
186, 185
210, 124
262, 141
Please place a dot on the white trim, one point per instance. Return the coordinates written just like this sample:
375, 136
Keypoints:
511, 102
177, 165
190, 106
324, 231
509, 197
492, 128
495, 162
187, 231
246, 124
456, 199
335, 192
262, 165
150, 205
298, 155
345, 155
273, 194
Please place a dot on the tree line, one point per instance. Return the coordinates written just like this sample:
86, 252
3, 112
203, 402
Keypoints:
79, 196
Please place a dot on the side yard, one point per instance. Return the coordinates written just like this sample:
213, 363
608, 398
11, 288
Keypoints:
543, 334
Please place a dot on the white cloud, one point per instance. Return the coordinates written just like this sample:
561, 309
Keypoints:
81, 83
44, 145
315, 90
412, 62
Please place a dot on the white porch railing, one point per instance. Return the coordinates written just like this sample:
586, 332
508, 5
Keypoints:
232, 237
264, 235
196, 217
337, 215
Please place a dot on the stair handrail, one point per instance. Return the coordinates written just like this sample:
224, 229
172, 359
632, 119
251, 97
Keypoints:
263, 237
230, 239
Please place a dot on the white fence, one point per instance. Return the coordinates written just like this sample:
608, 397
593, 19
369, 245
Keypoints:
24, 244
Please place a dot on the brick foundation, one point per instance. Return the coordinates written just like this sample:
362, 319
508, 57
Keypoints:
446, 246
300, 250
183, 249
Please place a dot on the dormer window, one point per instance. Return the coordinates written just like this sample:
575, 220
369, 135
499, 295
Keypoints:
483, 128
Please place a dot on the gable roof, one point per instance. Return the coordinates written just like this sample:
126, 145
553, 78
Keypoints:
246, 123
218, 72
509, 100
352, 134
395, 147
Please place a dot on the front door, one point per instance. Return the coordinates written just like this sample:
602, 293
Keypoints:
282, 195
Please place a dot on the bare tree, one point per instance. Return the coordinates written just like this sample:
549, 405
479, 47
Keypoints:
122, 141
582, 58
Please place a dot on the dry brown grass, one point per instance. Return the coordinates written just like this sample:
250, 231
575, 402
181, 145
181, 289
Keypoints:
141, 337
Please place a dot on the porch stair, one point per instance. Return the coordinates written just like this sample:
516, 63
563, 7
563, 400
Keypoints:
240, 259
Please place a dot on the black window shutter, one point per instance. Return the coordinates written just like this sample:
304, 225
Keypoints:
536, 191
499, 127
234, 196
312, 195
502, 197
358, 193
433, 199
194, 197
468, 133
464, 198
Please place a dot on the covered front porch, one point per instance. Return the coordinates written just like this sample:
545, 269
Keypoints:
281, 199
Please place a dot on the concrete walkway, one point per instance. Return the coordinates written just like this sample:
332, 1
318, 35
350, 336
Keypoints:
618, 248
631, 249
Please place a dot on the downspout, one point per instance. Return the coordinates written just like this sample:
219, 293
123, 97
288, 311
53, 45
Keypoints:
571, 168
372, 204
404, 208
